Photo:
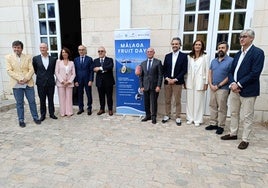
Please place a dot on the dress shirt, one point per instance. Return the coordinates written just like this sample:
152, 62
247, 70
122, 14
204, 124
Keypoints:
45, 61
174, 59
241, 58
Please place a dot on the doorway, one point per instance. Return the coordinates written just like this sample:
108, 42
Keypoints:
70, 25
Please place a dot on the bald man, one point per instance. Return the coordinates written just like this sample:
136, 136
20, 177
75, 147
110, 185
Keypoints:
44, 68
150, 83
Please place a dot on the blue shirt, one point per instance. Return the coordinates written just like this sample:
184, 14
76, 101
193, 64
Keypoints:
220, 70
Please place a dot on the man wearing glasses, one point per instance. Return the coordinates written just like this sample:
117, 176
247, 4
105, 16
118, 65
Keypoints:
84, 78
103, 66
245, 86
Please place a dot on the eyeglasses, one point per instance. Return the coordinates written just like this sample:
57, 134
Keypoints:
100, 51
243, 36
81, 49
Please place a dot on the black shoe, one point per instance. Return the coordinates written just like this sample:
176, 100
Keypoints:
37, 121
42, 118
22, 124
53, 117
219, 130
229, 137
146, 118
211, 127
89, 112
154, 121
80, 112
243, 145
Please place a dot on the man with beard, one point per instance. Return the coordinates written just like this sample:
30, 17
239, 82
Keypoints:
174, 70
218, 82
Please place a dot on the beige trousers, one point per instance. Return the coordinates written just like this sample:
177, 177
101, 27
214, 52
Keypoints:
174, 90
247, 104
218, 107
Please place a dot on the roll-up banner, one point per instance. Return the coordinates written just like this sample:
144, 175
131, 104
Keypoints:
130, 51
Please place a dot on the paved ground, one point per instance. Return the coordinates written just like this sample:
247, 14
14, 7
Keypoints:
103, 151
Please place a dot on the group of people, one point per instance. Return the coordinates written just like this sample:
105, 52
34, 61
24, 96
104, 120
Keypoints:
68, 73
224, 75
236, 77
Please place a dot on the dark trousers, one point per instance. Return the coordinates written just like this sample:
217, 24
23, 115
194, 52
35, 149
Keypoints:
108, 92
150, 103
80, 91
43, 93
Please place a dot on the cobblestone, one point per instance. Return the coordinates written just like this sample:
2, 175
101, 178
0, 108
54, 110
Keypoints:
121, 151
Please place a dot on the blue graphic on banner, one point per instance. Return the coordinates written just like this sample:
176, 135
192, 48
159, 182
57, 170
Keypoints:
128, 54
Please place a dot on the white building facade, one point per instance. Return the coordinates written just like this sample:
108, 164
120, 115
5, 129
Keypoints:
93, 22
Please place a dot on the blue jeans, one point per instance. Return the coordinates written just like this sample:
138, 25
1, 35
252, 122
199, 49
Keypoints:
19, 97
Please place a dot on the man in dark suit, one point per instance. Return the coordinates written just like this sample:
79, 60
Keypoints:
84, 78
174, 70
103, 66
44, 68
150, 84
245, 86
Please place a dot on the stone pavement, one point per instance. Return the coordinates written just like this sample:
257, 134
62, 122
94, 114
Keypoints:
120, 151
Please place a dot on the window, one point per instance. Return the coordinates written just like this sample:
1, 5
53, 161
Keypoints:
48, 28
214, 21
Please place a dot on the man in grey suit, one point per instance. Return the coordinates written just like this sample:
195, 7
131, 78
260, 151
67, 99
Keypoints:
150, 84
44, 68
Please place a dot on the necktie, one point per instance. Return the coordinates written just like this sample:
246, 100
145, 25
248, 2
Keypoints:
101, 61
82, 60
149, 65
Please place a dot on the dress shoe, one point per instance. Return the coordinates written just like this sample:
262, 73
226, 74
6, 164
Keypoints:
178, 121
100, 112
42, 118
22, 124
211, 127
146, 118
154, 121
229, 137
110, 112
165, 119
219, 130
89, 112
80, 112
243, 145
53, 117
37, 121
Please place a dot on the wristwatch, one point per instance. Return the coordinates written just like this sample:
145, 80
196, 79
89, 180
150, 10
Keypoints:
219, 86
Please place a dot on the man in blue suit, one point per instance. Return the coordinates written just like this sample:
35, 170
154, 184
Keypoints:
84, 78
174, 70
244, 80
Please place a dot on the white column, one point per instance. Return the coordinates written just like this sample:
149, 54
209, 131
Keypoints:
125, 14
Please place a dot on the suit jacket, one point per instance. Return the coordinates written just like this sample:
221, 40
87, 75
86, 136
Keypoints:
19, 70
197, 77
149, 80
63, 74
84, 71
180, 68
44, 77
105, 77
248, 74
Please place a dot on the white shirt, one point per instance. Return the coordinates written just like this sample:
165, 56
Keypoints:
174, 60
45, 61
241, 58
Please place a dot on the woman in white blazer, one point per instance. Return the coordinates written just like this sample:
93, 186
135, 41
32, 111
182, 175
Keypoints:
196, 83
